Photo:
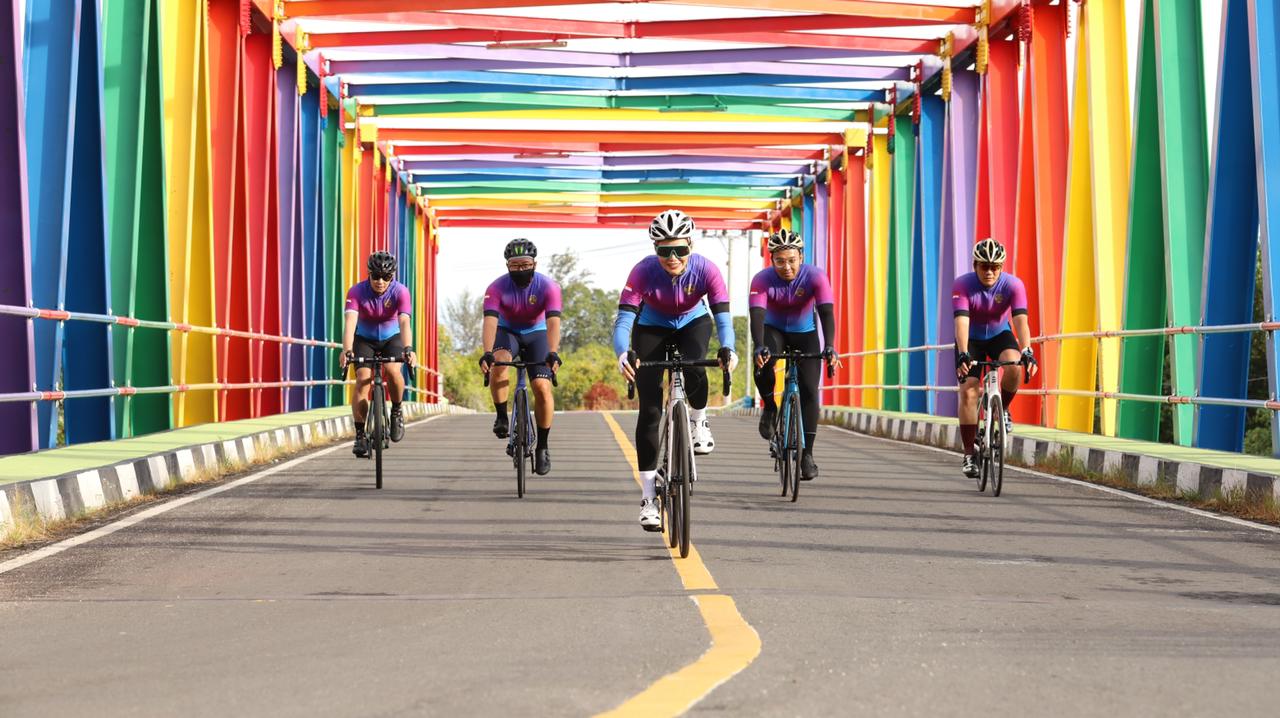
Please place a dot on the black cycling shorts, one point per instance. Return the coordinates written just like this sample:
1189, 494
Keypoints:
532, 346
390, 348
989, 350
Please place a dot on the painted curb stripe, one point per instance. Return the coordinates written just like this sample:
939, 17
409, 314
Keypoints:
734, 643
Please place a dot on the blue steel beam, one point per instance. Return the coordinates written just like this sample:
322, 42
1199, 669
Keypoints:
926, 235
463, 180
1264, 47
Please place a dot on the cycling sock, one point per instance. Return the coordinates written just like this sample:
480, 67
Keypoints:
395, 407
646, 484
968, 434
359, 429
501, 409
543, 434
1006, 396
809, 438
698, 414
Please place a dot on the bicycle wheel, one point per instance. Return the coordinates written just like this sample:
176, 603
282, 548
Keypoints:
379, 428
778, 441
794, 439
997, 447
522, 437
678, 479
980, 453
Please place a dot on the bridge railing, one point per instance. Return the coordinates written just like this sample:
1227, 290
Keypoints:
32, 313
1266, 404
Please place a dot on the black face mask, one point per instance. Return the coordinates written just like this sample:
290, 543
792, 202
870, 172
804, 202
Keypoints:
522, 277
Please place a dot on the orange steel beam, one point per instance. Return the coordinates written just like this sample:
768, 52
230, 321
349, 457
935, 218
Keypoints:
388, 9
550, 153
640, 137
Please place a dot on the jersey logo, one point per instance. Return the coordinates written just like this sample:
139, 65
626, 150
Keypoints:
999, 298
799, 291
957, 296
688, 289
386, 302
533, 299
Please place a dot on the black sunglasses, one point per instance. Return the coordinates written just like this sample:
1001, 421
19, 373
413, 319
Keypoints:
678, 250
381, 277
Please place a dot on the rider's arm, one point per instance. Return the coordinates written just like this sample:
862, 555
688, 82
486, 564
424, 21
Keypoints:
724, 325
960, 310
349, 330
406, 330
622, 325
827, 318
489, 331
553, 333
757, 326
1022, 330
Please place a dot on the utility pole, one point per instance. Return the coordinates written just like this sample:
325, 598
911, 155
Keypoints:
727, 240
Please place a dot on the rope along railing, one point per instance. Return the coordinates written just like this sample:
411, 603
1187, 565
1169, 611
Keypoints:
33, 313
1269, 404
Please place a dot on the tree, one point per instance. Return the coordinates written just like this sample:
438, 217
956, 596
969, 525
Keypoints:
587, 312
463, 317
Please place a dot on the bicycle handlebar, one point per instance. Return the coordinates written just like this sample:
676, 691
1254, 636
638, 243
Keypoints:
794, 355
374, 362
726, 380
1026, 376
520, 365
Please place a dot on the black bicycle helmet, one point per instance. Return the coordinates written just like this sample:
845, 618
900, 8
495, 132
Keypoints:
785, 239
520, 248
382, 263
671, 224
989, 251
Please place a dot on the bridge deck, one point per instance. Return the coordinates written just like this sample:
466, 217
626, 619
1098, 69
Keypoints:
891, 588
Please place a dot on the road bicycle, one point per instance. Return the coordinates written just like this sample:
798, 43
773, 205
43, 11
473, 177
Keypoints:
377, 420
676, 467
787, 445
523, 438
992, 442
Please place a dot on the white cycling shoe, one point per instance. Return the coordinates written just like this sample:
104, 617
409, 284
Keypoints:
650, 519
703, 442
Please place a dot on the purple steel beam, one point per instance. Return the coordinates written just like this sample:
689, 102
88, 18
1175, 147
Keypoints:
959, 207
669, 162
17, 364
393, 67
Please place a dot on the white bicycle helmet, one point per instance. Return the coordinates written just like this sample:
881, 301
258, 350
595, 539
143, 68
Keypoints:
785, 239
671, 224
988, 250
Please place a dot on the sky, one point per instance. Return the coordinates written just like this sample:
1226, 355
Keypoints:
471, 258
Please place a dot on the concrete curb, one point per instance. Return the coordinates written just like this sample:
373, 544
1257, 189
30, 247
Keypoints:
70, 495
1146, 470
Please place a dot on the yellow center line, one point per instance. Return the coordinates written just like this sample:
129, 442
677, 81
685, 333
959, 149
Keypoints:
734, 643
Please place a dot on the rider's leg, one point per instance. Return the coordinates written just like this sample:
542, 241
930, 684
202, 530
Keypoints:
970, 391
360, 397
544, 403
693, 339
498, 383
766, 381
648, 343
810, 380
395, 382
1012, 377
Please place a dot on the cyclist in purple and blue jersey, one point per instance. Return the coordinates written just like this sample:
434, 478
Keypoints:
662, 304
784, 300
378, 313
990, 309
522, 318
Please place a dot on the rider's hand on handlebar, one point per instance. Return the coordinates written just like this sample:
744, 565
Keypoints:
553, 362
486, 362
1029, 362
829, 355
625, 366
728, 359
762, 356
410, 357
347, 357
964, 363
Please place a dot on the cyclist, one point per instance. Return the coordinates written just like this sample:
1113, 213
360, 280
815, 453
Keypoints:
522, 318
660, 305
984, 303
783, 300
377, 317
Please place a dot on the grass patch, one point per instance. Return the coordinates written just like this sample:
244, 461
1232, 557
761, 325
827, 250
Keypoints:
1254, 506
28, 529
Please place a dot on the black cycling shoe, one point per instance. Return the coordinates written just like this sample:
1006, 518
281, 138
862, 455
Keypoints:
808, 469
969, 467
397, 425
361, 447
542, 462
767, 416
501, 428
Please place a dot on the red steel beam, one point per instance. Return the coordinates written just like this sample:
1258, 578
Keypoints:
639, 137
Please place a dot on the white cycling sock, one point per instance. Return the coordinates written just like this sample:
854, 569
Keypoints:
698, 414
646, 484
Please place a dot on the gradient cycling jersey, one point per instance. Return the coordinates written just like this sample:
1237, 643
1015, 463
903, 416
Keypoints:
378, 315
988, 309
673, 302
522, 310
788, 306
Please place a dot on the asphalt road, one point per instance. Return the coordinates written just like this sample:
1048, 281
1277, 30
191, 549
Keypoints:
891, 589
